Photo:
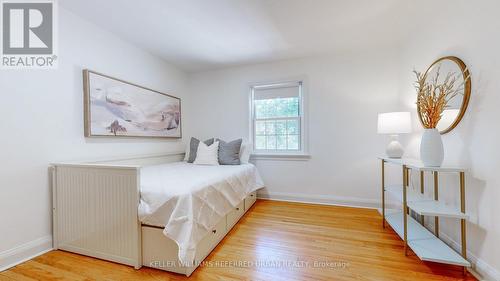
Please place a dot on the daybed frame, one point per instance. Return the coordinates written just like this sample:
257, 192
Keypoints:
95, 213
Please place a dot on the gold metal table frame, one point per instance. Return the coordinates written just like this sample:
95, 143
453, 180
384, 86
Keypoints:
406, 180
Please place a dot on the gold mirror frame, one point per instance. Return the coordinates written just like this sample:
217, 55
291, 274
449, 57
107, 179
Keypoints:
467, 91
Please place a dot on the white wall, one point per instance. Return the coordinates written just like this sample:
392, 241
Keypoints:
42, 122
344, 92
468, 30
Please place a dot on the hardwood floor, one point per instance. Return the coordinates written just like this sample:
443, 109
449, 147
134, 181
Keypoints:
291, 241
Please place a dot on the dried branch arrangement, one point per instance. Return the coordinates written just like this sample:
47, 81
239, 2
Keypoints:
433, 96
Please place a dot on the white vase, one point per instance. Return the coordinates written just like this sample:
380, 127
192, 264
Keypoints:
431, 148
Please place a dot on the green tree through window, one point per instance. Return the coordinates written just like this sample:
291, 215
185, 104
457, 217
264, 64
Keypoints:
277, 123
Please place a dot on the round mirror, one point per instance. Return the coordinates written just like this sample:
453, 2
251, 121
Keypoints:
451, 67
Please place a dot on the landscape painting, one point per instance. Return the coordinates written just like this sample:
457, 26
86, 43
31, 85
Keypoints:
114, 107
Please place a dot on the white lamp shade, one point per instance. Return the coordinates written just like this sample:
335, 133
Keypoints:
394, 123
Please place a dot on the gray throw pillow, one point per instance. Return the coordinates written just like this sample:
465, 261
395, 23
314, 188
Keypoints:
193, 148
229, 152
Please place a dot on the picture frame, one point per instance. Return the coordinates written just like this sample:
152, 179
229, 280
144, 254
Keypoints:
117, 108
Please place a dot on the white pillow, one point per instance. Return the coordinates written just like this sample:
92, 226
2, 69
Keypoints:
207, 155
245, 151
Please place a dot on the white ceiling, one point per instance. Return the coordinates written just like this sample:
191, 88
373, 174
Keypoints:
205, 34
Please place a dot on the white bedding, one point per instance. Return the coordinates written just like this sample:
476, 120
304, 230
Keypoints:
189, 200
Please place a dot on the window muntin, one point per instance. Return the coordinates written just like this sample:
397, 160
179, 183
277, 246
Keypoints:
277, 118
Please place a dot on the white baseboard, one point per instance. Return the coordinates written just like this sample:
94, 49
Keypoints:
42, 245
485, 271
320, 199
480, 269
25, 252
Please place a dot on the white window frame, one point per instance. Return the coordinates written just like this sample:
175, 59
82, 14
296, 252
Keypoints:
299, 154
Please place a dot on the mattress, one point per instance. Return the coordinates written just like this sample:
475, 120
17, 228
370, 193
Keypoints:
188, 200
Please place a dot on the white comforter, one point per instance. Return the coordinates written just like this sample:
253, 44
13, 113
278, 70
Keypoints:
189, 200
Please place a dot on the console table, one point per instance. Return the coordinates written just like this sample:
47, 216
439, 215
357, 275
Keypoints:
425, 244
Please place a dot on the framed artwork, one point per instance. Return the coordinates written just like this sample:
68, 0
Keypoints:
114, 107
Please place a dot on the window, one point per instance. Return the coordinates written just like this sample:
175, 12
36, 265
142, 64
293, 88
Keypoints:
277, 118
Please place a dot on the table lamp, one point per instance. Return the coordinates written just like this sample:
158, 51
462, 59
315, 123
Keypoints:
393, 124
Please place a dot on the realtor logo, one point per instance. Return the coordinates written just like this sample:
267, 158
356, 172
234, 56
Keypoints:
28, 38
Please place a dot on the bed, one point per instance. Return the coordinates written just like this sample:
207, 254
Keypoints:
154, 211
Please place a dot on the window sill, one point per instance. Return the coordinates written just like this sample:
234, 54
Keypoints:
280, 157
